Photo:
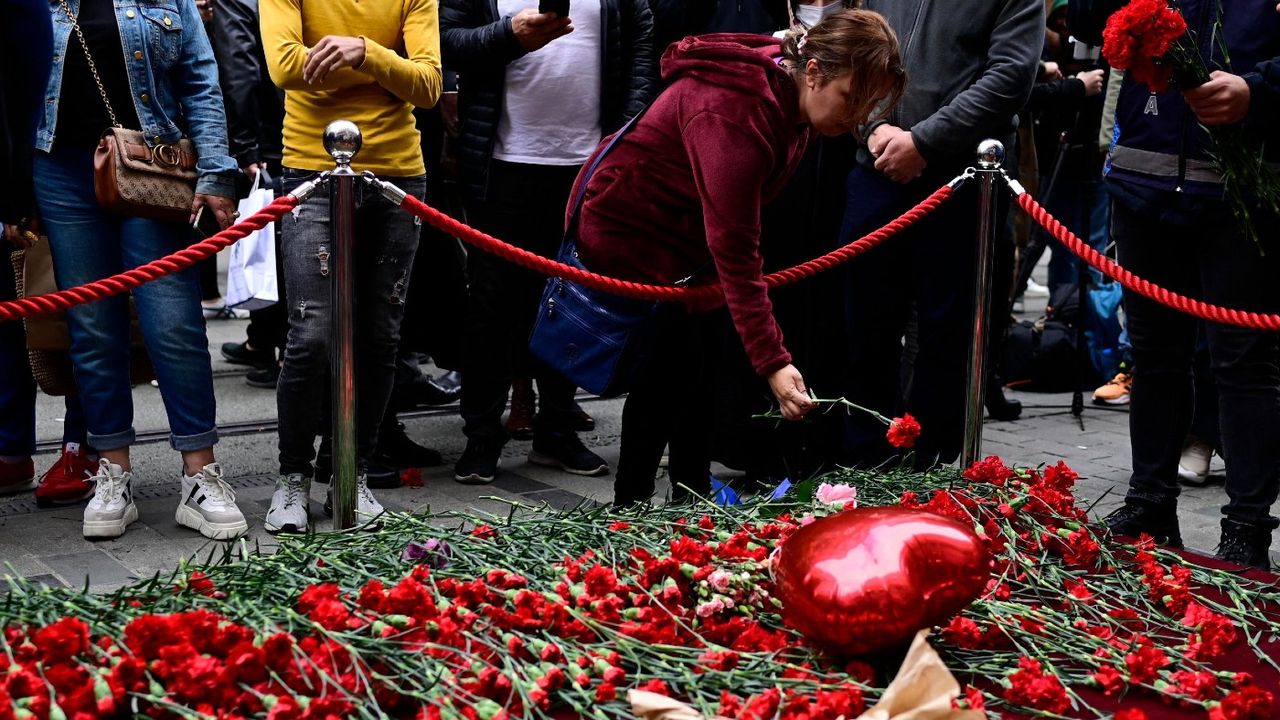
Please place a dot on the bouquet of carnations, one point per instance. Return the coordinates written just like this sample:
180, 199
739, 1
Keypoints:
1150, 40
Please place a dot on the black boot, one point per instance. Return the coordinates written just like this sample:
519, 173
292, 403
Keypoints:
1159, 520
396, 450
1245, 544
1000, 407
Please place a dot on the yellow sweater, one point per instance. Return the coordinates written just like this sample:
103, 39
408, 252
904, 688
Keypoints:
401, 69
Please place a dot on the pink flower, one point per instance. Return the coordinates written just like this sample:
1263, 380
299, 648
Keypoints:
838, 494
807, 519
719, 580
709, 608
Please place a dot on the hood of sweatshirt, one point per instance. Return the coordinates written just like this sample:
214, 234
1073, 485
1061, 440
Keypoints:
740, 62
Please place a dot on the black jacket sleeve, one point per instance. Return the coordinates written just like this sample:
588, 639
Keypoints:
26, 49
642, 70
1264, 99
471, 41
237, 48
1056, 96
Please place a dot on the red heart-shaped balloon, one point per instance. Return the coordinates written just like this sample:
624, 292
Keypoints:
866, 580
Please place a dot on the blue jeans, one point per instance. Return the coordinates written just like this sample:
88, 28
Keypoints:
89, 244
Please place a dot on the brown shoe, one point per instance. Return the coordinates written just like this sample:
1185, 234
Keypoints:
520, 420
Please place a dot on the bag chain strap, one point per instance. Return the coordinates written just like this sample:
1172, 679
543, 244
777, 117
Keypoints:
92, 67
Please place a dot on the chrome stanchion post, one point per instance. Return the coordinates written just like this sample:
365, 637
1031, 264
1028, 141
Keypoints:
990, 158
342, 141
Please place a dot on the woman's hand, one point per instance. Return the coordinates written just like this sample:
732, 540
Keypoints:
222, 208
22, 235
788, 387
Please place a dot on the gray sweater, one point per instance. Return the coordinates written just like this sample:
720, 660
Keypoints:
970, 67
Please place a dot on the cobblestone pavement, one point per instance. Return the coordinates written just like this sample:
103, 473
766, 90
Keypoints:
46, 544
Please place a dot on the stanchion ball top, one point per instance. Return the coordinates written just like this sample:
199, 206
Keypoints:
990, 154
342, 140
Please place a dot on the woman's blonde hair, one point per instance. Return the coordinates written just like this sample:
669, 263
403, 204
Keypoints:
857, 41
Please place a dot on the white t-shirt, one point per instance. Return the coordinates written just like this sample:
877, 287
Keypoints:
551, 109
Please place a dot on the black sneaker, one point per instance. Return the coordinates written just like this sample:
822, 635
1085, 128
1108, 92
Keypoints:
479, 463
378, 476
566, 452
396, 450
240, 354
265, 378
1244, 545
1160, 521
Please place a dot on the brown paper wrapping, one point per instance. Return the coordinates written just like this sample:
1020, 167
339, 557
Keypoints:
922, 690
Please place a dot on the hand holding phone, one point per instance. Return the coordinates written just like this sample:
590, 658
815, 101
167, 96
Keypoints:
533, 30
206, 223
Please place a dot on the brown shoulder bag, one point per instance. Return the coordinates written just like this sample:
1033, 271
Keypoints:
132, 178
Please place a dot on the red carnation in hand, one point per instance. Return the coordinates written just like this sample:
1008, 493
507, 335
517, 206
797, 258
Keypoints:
903, 431
1137, 38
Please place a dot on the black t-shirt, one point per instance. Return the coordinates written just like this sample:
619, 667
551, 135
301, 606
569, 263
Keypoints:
82, 116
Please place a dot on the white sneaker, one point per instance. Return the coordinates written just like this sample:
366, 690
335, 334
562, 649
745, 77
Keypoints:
1035, 290
1193, 466
208, 505
368, 509
288, 511
111, 509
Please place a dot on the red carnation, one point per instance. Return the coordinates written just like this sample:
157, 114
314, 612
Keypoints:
1246, 703
62, 640
1144, 665
1138, 37
1131, 714
903, 431
1031, 687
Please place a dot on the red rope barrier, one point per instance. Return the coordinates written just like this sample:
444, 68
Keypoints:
125, 281
645, 291
1168, 298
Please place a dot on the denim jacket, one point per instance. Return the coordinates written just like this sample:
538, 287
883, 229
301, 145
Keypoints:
173, 78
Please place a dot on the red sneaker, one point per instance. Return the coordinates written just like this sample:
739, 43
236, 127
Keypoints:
16, 477
67, 481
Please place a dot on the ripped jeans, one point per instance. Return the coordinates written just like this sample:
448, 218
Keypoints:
386, 240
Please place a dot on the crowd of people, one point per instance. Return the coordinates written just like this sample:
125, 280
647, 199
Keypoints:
680, 141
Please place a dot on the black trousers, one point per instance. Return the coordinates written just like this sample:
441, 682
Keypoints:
669, 406
1209, 259
526, 208
928, 269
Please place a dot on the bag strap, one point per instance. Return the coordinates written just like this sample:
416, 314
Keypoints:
92, 67
591, 170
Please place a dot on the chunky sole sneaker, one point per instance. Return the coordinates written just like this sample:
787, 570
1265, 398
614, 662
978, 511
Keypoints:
111, 528
208, 505
192, 518
368, 509
289, 512
111, 509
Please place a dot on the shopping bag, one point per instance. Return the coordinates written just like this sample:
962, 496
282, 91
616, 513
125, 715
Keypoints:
251, 274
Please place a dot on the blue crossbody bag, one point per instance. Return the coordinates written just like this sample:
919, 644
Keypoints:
596, 339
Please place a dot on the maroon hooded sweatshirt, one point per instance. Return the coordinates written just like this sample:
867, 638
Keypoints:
681, 193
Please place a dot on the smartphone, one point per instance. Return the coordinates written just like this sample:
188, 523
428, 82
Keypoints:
206, 222
559, 7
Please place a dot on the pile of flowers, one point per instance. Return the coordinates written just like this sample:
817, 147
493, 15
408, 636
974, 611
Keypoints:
539, 613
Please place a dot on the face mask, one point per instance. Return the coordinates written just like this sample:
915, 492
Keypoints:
810, 15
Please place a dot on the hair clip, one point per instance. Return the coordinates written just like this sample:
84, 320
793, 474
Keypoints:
804, 38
